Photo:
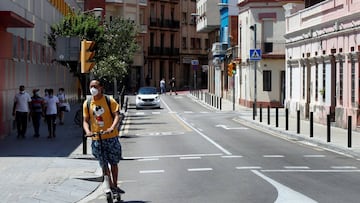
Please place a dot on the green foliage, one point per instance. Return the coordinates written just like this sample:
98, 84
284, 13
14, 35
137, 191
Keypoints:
84, 26
115, 42
116, 50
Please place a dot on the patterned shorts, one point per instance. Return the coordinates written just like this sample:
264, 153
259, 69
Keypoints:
111, 148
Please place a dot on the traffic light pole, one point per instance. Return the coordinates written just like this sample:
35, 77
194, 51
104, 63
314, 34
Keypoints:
255, 66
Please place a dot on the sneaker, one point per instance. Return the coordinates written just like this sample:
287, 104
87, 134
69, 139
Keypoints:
117, 190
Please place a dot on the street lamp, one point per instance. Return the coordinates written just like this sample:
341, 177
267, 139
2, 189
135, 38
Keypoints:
253, 28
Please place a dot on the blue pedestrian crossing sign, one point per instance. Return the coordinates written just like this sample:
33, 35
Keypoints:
255, 54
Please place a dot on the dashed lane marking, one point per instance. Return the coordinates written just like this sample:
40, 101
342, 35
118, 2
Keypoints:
273, 156
296, 167
190, 157
248, 167
172, 156
199, 169
151, 171
314, 156
152, 159
231, 156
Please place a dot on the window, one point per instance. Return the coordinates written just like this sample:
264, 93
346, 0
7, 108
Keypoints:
184, 17
341, 78
267, 80
268, 47
324, 81
291, 81
206, 44
353, 81
193, 45
183, 43
198, 43
303, 82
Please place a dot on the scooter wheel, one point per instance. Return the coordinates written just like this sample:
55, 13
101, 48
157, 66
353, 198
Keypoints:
109, 198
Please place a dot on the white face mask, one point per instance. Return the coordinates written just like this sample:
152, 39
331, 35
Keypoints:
94, 91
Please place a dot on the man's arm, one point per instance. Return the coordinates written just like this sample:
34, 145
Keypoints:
86, 119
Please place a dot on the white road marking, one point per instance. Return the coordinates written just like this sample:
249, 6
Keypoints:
248, 167
234, 128
273, 156
314, 156
152, 159
156, 112
200, 133
343, 167
206, 137
231, 156
310, 171
140, 113
190, 157
200, 169
188, 112
296, 167
172, 156
285, 194
152, 171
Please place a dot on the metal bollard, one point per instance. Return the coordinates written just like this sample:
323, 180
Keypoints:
260, 113
220, 103
277, 117
311, 124
268, 115
349, 131
298, 122
286, 119
328, 127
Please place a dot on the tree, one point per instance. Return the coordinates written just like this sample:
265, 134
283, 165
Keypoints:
117, 49
115, 42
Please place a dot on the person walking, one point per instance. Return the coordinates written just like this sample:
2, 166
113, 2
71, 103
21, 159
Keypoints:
51, 108
101, 114
36, 108
162, 86
62, 105
172, 86
21, 109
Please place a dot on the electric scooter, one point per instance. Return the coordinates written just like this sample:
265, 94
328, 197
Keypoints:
110, 196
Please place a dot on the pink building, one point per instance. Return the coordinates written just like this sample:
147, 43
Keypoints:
322, 61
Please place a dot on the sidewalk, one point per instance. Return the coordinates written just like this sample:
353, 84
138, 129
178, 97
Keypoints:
47, 170
338, 136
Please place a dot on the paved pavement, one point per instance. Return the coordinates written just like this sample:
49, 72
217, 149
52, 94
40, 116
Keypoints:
56, 170
338, 136
47, 170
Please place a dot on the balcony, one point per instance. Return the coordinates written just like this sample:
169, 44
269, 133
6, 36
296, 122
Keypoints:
164, 23
163, 51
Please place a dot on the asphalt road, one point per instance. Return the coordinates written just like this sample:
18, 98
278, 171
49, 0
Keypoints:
185, 152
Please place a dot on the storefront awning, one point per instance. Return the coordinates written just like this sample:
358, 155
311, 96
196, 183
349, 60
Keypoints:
11, 19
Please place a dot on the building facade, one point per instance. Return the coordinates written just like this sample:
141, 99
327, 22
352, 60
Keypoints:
261, 27
322, 61
25, 56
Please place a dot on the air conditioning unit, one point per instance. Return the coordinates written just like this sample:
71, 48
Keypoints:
219, 48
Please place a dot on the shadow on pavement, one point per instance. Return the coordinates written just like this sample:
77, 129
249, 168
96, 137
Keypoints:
68, 138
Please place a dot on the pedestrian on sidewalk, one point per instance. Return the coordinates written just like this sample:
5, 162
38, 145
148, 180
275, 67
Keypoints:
51, 108
36, 108
21, 110
162, 86
101, 114
62, 105
172, 86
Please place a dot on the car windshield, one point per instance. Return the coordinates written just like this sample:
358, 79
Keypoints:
147, 90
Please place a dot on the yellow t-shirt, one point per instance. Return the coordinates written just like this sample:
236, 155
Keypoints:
100, 116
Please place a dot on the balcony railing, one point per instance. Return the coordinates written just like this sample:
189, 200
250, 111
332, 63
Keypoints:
164, 51
165, 23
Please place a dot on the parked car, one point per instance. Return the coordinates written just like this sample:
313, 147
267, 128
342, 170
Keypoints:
147, 97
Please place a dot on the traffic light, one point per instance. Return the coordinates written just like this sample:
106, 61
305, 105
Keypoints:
86, 55
230, 69
234, 68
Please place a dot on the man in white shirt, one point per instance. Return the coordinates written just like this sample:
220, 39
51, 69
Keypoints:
51, 110
21, 110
